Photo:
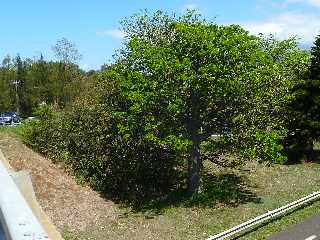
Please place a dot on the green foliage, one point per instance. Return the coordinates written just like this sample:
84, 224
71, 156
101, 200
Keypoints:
177, 82
189, 81
304, 121
267, 146
269, 111
38, 81
43, 112
86, 141
184, 79
315, 59
45, 135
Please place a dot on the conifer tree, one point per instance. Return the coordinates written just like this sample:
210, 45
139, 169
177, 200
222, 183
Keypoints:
305, 122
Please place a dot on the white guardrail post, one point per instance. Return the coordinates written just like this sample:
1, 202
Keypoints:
16, 217
265, 217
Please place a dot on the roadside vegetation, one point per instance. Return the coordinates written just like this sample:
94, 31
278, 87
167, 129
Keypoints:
235, 195
194, 128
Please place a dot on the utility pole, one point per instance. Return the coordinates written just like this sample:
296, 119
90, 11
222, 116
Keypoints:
16, 84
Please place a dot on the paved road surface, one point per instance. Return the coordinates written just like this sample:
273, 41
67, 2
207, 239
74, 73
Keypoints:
307, 230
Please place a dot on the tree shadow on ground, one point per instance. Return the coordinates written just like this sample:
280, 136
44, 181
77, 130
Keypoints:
225, 189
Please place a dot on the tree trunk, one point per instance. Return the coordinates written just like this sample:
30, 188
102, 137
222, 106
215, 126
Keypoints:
194, 168
194, 162
309, 150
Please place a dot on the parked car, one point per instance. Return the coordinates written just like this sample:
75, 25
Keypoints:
9, 118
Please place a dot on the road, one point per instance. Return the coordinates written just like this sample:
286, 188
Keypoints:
307, 230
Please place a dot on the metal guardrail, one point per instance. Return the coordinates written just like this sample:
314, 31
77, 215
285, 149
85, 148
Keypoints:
16, 217
262, 218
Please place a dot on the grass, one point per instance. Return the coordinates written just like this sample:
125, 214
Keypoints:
231, 196
11, 129
260, 188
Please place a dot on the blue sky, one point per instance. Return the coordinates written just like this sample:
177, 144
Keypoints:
32, 27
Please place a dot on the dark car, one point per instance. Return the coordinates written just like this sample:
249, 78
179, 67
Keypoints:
9, 118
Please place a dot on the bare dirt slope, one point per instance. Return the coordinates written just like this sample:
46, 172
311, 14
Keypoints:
69, 205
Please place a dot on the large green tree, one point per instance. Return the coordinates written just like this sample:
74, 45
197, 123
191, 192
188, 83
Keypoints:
182, 79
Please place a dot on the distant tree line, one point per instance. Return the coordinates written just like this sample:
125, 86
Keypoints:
25, 83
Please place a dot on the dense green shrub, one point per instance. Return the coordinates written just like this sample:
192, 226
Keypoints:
46, 135
87, 141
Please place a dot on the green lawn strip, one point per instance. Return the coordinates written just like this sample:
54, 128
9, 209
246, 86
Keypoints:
282, 223
10, 129
136, 227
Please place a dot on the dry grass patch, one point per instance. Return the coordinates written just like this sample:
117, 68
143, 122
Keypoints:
68, 204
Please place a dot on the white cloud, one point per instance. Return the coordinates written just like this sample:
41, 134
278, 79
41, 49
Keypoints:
190, 6
310, 2
115, 33
285, 25
263, 27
